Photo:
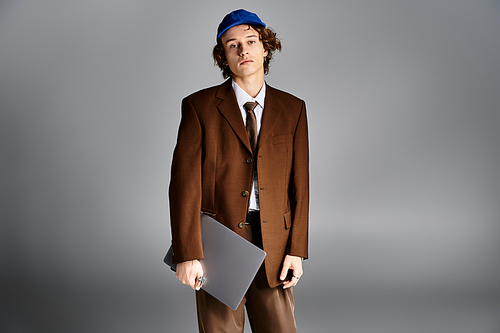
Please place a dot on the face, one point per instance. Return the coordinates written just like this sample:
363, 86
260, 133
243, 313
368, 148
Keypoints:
244, 51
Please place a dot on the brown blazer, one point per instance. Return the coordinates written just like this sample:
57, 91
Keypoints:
212, 169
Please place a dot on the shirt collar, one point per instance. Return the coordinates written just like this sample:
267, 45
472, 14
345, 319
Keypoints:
242, 97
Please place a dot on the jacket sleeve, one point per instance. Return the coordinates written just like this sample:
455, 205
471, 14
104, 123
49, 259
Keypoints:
299, 189
185, 188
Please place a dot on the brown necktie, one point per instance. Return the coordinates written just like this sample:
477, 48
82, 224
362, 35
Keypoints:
251, 124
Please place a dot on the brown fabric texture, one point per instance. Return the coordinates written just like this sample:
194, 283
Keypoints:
212, 172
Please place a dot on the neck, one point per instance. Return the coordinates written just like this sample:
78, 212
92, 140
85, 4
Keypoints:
251, 86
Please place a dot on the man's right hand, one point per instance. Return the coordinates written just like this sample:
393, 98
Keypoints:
189, 272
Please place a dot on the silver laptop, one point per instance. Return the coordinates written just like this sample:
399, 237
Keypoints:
230, 262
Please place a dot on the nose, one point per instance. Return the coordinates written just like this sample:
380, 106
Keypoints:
243, 51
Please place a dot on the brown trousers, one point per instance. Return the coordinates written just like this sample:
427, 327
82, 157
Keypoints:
270, 310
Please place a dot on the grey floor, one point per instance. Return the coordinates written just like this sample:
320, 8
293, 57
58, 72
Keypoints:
32, 309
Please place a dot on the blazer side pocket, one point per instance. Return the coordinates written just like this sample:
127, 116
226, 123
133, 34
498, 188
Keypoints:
209, 212
288, 219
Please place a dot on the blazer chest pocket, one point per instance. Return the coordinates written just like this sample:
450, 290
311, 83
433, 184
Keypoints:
284, 138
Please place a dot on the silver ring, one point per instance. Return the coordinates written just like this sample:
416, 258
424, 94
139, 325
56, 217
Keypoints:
295, 276
201, 280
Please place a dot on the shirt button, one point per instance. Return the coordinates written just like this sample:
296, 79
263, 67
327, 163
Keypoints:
241, 225
245, 193
249, 160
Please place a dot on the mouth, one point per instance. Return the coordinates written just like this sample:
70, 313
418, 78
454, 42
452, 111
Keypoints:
246, 62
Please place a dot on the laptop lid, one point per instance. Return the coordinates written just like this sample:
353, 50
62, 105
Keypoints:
230, 262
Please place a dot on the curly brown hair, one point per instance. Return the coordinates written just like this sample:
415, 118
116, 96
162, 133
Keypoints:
269, 40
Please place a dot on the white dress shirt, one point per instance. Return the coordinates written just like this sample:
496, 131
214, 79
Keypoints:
242, 97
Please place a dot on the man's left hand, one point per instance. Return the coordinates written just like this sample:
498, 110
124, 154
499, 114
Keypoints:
291, 263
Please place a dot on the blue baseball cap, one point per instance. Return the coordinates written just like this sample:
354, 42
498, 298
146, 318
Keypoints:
238, 17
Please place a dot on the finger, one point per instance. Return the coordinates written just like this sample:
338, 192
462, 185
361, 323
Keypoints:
284, 271
198, 283
190, 282
297, 271
199, 277
289, 284
183, 278
292, 283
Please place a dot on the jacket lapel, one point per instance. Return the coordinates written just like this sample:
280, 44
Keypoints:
229, 108
272, 111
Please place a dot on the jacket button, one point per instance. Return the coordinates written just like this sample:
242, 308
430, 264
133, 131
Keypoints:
241, 225
245, 193
249, 160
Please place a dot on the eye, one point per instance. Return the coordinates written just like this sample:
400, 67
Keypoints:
232, 46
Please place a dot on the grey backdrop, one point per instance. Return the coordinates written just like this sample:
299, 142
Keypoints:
404, 110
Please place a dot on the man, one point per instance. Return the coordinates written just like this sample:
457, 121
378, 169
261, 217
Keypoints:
247, 166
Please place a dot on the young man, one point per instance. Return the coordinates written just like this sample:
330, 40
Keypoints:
246, 165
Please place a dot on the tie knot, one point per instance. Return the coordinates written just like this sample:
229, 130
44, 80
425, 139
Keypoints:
249, 106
